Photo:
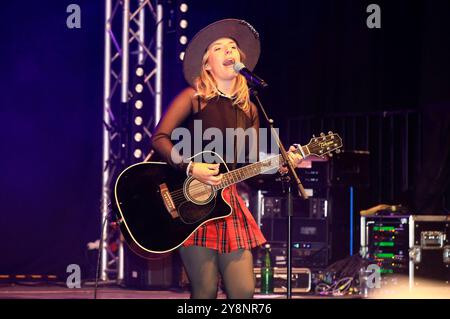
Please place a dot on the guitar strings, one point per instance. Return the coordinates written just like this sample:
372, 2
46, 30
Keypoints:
179, 194
205, 192
197, 187
202, 185
227, 181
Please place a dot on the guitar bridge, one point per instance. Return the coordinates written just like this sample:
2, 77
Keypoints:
168, 202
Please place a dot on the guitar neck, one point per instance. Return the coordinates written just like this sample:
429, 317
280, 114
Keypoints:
249, 171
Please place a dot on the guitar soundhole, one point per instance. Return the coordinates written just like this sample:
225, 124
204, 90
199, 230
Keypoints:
198, 192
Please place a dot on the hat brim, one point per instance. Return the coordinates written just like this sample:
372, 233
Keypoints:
239, 30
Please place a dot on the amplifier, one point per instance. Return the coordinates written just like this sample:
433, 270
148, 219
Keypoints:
315, 175
384, 241
309, 237
303, 254
301, 280
313, 172
303, 229
275, 206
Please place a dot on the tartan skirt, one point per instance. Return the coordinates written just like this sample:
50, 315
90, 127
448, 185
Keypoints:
237, 231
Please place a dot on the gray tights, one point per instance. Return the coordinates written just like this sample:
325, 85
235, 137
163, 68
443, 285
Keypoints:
203, 265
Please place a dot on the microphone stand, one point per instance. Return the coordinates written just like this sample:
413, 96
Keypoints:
301, 192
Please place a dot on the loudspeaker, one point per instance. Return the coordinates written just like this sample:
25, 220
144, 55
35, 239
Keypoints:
156, 273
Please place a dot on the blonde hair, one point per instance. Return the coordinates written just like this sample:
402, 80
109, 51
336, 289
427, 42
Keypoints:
207, 87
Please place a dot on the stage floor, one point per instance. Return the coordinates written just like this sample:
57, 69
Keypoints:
54, 291
111, 292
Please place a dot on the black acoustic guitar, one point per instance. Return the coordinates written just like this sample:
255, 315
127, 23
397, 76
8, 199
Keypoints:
160, 208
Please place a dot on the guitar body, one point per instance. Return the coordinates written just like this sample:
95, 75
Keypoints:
160, 208
145, 221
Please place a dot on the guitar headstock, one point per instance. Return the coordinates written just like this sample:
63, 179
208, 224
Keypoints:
325, 144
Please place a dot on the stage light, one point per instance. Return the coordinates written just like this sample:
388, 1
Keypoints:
138, 104
138, 120
181, 56
139, 71
183, 24
138, 137
139, 88
183, 40
184, 7
137, 153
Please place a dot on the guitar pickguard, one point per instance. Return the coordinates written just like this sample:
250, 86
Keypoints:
191, 213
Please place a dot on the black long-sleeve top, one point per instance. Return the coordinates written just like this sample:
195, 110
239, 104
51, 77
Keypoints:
218, 112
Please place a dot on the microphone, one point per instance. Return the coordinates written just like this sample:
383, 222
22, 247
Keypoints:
251, 78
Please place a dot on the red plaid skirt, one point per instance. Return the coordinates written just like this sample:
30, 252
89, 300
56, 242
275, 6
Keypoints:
237, 231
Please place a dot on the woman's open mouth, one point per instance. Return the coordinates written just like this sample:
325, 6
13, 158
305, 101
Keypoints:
228, 62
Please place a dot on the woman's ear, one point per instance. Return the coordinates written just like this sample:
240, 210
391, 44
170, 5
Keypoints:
207, 67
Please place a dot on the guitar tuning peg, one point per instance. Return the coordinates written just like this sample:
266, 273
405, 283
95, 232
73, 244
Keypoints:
314, 135
322, 134
330, 133
330, 155
338, 151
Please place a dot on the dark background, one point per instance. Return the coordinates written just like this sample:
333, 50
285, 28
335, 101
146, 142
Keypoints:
318, 57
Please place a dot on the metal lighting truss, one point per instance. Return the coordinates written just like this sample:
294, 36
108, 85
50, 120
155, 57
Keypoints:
127, 23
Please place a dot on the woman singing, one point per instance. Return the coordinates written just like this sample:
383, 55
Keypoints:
219, 98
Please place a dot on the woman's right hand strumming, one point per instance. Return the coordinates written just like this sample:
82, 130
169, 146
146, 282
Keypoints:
207, 173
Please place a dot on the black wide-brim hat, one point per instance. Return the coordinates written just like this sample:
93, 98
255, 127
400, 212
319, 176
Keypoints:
240, 31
